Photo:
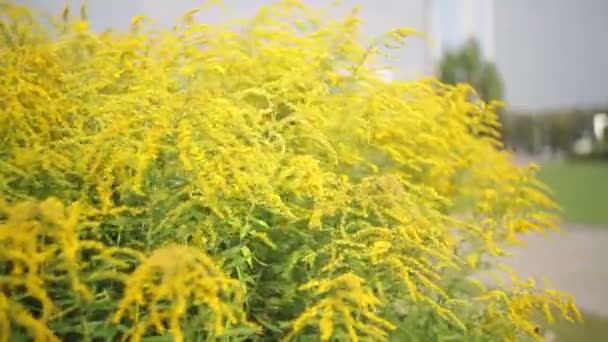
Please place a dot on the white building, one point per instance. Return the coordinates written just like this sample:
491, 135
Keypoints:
455, 21
551, 53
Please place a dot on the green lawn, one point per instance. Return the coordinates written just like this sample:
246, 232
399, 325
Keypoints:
581, 188
593, 329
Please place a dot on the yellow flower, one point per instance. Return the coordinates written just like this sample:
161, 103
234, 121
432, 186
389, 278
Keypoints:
188, 277
134, 163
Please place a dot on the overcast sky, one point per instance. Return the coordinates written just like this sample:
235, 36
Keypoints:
552, 53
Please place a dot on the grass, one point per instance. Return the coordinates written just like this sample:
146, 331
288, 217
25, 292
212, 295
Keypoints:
581, 188
593, 329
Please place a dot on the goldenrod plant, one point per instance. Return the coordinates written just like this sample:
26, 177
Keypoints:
251, 180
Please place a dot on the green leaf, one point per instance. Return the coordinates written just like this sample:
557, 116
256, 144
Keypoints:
247, 254
162, 338
268, 325
260, 222
244, 231
242, 331
451, 338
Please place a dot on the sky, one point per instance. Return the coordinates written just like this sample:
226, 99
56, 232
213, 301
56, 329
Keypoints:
552, 53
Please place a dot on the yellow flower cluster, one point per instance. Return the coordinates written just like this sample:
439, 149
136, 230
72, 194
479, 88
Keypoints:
160, 280
345, 297
41, 246
251, 180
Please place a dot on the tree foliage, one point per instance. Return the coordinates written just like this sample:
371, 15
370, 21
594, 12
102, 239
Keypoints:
250, 180
467, 65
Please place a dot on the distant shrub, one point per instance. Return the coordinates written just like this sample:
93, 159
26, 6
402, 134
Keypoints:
250, 182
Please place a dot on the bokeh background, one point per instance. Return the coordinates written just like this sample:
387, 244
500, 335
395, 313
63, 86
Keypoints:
546, 59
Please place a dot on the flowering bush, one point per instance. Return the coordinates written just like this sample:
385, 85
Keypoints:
250, 181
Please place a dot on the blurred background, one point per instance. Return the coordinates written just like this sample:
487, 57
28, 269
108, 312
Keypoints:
546, 59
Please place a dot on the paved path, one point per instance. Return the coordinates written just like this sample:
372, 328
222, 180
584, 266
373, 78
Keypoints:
574, 260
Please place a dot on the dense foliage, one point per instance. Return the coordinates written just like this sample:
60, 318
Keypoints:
250, 180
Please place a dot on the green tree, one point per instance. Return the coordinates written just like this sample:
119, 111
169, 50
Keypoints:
467, 65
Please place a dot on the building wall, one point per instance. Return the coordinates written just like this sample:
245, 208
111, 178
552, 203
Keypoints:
456, 21
553, 54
